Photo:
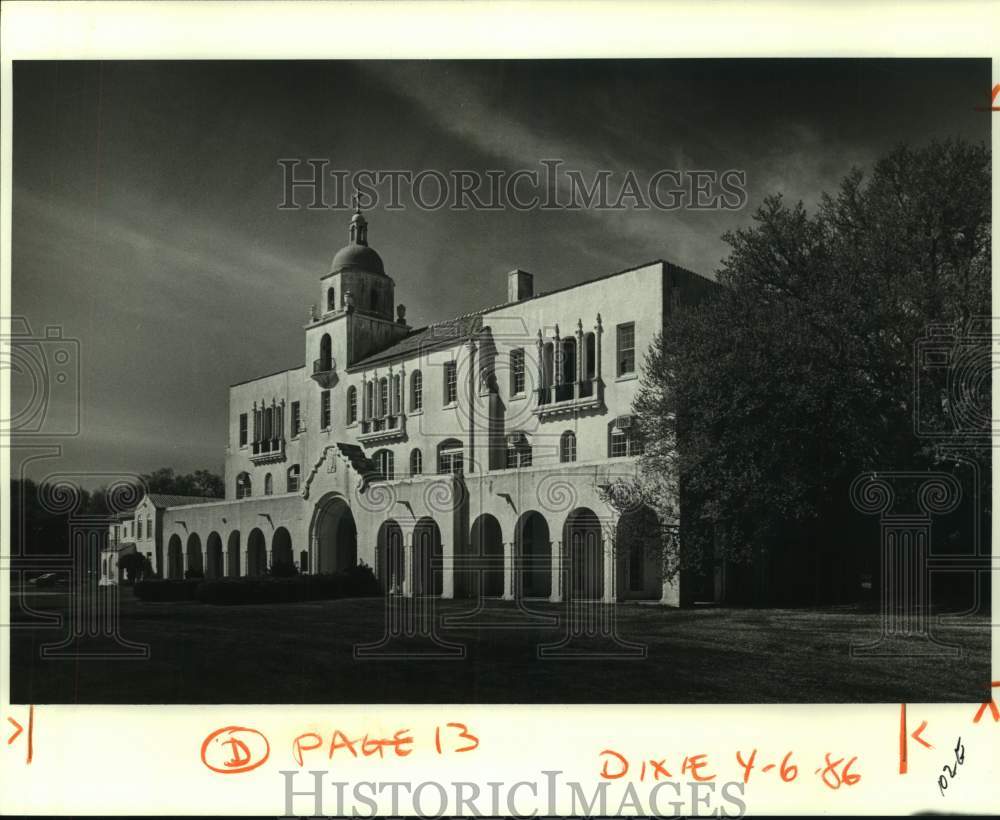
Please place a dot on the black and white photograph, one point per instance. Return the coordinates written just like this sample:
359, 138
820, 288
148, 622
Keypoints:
500, 381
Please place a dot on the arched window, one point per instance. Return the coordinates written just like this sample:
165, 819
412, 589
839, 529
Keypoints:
567, 447
243, 486
546, 375
294, 473
450, 457
352, 404
518, 450
383, 397
416, 462
325, 353
397, 402
416, 391
331, 299
386, 463
369, 399
589, 354
268, 486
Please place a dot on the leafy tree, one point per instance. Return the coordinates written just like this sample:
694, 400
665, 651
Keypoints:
136, 567
762, 404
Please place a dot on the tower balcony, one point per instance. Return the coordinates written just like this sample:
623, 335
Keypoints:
267, 450
385, 429
569, 398
325, 372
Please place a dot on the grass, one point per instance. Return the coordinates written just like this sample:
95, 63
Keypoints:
303, 653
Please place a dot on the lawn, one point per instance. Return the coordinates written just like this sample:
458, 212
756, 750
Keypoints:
304, 653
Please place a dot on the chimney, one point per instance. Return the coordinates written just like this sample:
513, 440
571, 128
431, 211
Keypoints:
520, 285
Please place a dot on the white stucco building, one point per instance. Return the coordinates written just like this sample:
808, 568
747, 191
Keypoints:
460, 458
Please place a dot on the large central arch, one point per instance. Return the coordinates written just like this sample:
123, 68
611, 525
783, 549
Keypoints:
486, 540
281, 550
213, 553
256, 553
233, 554
533, 548
175, 557
389, 567
428, 560
583, 547
335, 535
194, 561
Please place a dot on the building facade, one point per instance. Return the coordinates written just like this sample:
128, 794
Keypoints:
462, 458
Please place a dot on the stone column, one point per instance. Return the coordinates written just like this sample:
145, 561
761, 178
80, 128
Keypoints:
245, 568
408, 564
579, 358
447, 571
508, 571
556, 553
598, 332
557, 363
610, 566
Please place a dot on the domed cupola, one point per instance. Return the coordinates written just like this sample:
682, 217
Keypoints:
356, 256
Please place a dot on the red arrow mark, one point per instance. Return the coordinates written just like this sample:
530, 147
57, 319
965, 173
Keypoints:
991, 704
19, 728
915, 734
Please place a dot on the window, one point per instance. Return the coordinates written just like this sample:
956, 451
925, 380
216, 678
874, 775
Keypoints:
383, 397
149, 527
138, 531
626, 348
294, 472
567, 447
331, 299
296, 419
352, 404
386, 463
450, 457
268, 486
397, 401
450, 383
417, 391
325, 354
623, 438
243, 486
369, 399
324, 410
518, 453
243, 429
517, 371
416, 462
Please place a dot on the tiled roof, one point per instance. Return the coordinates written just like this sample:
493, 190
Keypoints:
159, 500
442, 334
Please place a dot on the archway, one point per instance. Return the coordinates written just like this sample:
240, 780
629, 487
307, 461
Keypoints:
428, 560
281, 551
335, 535
256, 553
389, 559
175, 557
213, 554
583, 547
303, 561
486, 540
640, 551
233, 554
195, 564
533, 549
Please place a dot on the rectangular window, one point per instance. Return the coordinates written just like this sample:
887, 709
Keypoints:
450, 383
243, 429
450, 461
296, 419
324, 410
517, 371
626, 348
138, 533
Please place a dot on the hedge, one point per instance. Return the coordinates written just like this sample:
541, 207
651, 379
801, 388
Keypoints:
357, 582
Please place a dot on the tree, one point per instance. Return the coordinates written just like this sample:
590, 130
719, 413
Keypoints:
765, 402
203, 483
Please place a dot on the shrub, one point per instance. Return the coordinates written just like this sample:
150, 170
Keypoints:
283, 570
175, 590
194, 573
356, 582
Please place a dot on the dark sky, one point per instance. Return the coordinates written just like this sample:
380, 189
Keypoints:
145, 218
